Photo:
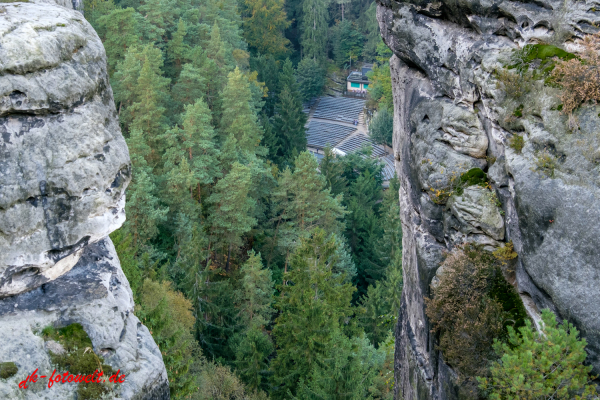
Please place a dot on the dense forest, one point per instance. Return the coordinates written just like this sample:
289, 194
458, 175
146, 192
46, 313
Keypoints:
259, 272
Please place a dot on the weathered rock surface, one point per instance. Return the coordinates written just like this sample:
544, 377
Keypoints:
95, 294
64, 164
450, 116
64, 168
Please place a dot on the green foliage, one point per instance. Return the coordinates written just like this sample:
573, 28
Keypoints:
546, 163
314, 29
347, 43
264, 23
302, 203
78, 358
311, 78
213, 119
380, 86
545, 364
8, 369
218, 382
312, 309
382, 301
168, 316
471, 307
289, 120
252, 357
381, 128
231, 206
517, 143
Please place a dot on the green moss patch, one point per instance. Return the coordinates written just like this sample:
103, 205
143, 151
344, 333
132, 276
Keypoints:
78, 358
474, 176
537, 61
8, 369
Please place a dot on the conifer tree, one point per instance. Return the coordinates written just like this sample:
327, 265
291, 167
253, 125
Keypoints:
177, 49
289, 119
251, 354
303, 203
191, 159
314, 29
544, 364
147, 112
119, 31
253, 300
255, 296
192, 81
264, 24
312, 309
231, 213
239, 117
143, 209
311, 78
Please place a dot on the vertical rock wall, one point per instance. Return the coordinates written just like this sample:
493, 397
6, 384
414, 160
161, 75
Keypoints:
450, 116
64, 168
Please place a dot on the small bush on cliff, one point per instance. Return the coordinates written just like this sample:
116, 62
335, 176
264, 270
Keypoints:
540, 365
580, 77
517, 143
472, 305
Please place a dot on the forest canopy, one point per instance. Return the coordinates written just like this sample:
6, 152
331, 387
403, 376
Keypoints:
260, 272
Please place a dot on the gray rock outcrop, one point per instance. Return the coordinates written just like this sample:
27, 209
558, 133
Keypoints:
451, 115
64, 168
64, 164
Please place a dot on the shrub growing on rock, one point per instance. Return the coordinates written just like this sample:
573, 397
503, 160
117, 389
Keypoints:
540, 365
579, 77
471, 306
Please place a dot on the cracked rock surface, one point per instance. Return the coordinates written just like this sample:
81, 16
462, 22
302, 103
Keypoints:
452, 115
64, 164
95, 294
64, 168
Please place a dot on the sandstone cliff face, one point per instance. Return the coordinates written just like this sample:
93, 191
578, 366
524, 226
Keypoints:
450, 116
64, 168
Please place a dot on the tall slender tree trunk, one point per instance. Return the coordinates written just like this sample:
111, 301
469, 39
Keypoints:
228, 258
208, 254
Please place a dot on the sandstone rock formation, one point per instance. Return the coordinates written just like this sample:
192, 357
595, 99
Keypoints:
64, 168
451, 115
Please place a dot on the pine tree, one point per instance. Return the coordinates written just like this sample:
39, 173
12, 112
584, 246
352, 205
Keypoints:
312, 309
118, 30
264, 24
239, 117
231, 213
332, 170
314, 29
311, 78
147, 112
303, 203
255, 296
253, 300
191, 159
177, 49
143, 209
251, 354
289, 126
346, 373
541, 365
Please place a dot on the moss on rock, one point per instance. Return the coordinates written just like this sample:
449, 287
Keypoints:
79, 358
8, 369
